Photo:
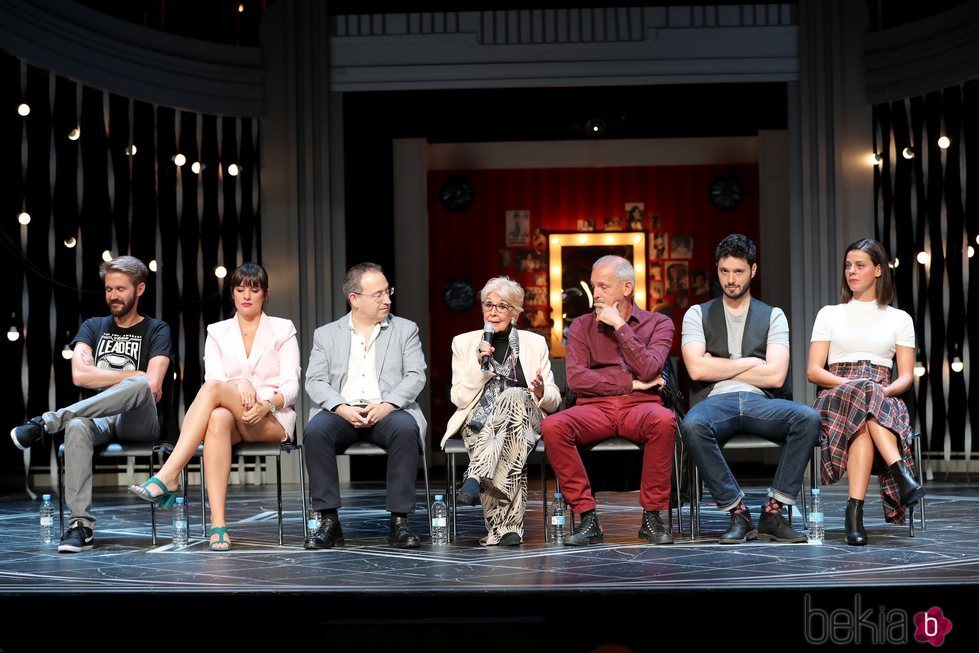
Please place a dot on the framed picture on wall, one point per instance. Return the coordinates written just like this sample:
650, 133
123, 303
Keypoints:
659, 245
539, 238
656, 290
531, 261
655, 271
699, 283
613, 223
677, 281
655, 221
535, 296
681, 246
635, 216
586, 225
517, 228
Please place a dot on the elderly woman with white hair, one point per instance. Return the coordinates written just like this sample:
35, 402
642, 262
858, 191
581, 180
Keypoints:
500, 406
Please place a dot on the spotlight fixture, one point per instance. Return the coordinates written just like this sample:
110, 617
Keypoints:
66, 353
131, 150
152, 265
233, 169
24, 218
595, 127
24, 109
196, 167
74, 134
971, 251
874, 159
241, 8
220, 272
70, 242
13, 335
908, 152
919, 368
106, 255
924, 258
943, 142
179, 160
957, 365
894, 263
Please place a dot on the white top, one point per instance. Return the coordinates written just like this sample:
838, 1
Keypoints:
863, 331
693, 331
362, 386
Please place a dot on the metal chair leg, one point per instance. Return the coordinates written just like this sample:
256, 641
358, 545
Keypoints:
452, 491
302, 491
543, 492
428, 492
278, 489
152, 507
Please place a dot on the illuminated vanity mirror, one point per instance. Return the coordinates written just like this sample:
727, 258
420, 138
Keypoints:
572, 256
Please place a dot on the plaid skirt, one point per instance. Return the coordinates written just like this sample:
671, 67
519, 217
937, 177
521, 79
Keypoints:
844, 411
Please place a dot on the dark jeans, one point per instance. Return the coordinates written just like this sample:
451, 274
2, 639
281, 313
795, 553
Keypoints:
715, 420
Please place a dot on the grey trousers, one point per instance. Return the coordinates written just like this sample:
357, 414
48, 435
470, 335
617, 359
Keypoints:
125, 412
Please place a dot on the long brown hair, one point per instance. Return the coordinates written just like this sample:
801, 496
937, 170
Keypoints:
885, 284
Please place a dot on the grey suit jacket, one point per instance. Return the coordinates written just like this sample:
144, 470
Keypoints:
400, 366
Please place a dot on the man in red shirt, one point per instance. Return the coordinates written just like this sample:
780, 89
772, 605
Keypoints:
615, 357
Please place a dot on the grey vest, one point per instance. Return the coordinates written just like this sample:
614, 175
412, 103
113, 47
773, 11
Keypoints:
754, 342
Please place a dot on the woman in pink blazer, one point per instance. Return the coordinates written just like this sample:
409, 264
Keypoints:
500, 403
251, 381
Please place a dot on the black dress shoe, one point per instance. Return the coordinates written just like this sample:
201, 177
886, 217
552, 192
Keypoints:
653, 530
740, 529
911, 490
509, 539
328, 535
856, 534
400, 535
589, 531
773, 527
469, 492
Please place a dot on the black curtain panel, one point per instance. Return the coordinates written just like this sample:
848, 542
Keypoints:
102, 173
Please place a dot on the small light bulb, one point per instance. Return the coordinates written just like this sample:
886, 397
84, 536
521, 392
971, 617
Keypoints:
232, 169
943, 142
66, 353
957, 365
74, 134
131, 149
241, 8
179, 160
895, 263
907, 153
873, 159
220, 272
13, 335
971, 251
152, 265
24, 109
923, 258
24, 218
196, 167
919, 369
106, 256
70, 242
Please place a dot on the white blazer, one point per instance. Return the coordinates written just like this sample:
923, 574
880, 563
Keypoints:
468, 380
273, 365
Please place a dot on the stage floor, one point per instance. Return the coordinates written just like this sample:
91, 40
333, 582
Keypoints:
367, 586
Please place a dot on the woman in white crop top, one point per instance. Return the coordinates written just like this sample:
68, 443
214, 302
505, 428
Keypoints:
865, 423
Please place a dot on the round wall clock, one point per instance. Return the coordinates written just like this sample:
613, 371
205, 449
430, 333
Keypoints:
726, 193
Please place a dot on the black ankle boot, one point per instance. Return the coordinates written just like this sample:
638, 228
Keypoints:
911, 490
856, 534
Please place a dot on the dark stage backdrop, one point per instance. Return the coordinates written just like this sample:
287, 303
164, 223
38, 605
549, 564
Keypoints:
87, 192
930, 203
472, 245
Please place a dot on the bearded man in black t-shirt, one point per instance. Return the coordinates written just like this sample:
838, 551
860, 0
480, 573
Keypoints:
121, 360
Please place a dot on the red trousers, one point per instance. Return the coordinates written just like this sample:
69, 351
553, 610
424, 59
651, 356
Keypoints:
639, 417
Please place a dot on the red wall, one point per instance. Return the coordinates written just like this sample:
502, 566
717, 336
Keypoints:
468, 244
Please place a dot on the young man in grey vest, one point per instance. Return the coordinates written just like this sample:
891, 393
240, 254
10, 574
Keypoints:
736, 350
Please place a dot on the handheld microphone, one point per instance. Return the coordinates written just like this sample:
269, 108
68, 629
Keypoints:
487, 337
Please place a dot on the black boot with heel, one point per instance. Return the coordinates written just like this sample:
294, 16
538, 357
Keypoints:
856, 534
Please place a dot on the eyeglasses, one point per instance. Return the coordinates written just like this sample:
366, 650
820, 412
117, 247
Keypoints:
379, 295
502, 307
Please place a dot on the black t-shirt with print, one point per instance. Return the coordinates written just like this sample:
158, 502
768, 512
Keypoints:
124, 350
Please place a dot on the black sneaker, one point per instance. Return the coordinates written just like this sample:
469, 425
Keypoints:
27, 434
589, 531
77, 538
653, 530
773, 527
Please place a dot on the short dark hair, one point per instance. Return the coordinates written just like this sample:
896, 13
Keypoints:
351, 282
250, 274
737, 246
130, 266
878, 256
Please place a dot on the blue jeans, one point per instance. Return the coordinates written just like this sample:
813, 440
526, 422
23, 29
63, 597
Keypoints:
712, 422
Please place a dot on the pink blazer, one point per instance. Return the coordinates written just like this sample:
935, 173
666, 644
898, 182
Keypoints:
273, 365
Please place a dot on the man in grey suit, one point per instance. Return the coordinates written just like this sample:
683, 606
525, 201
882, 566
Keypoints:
364, 374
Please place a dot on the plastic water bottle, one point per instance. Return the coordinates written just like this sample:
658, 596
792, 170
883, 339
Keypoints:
440, 521
180, 524
47, 520
313, 521
817, 529
559, 516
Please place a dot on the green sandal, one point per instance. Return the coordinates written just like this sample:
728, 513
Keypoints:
219, 544
164, 500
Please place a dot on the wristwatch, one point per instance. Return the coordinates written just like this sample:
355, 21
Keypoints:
271, 405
